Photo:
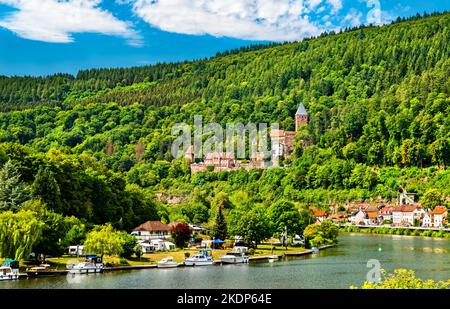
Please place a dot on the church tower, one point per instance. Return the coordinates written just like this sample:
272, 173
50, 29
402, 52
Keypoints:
301, 116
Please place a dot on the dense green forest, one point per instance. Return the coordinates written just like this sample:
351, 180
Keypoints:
97, 145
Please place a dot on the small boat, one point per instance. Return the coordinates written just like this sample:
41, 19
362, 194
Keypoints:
236, 256
44, 270
202, 258
167, 263
315, 250
9, 270
272, 258
92, 264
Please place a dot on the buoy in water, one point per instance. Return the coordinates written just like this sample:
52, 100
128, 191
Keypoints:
379, 249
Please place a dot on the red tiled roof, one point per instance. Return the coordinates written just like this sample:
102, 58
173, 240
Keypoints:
153, 226
370, 209
386, 210
372, 215
320, 213
439, 210
405, 208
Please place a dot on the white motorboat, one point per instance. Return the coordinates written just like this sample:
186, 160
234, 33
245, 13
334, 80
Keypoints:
9, 270
272, 258
92, 264
167, 263
236, 256
200, 259
315, 250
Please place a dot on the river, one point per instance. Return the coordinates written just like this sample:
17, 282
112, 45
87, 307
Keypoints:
337, 267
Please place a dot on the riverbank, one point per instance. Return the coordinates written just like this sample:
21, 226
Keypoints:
334, 268
262, 251
395, 231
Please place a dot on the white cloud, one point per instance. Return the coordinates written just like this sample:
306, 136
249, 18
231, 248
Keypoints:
276, 20
336, 4
352, 19
56, 20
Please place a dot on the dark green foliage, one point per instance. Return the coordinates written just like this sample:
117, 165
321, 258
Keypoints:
219, 230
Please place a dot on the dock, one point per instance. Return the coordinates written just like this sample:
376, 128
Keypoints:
132, 267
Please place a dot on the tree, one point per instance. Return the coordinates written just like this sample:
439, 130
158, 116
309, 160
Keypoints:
252, 225
283, 214
19, 232
129, 244
46, 188
54, 230
404, 279
13, 192
104, 240
76, 234
181, 233
219, 230
320, 234
431, 199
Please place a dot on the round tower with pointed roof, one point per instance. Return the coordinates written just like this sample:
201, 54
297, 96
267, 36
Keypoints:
301, 116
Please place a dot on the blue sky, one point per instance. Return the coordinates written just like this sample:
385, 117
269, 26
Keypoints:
40, 37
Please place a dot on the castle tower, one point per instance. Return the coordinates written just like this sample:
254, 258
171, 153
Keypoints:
301, 116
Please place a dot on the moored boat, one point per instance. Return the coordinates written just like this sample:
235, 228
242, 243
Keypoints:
9, 270
315, 250
167, 263
92, 264
202, 258
236, 256
272, 258
44, 270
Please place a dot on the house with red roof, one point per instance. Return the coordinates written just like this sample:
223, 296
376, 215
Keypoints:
152, 230
439, 215
320, 215
407, 215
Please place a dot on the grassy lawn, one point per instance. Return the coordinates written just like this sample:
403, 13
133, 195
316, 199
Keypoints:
265, 249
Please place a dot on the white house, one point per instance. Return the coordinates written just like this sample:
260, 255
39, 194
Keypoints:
386, 213
75, 250
151, 230
404, 215
440, 214
358, 218
156, 245
427, 220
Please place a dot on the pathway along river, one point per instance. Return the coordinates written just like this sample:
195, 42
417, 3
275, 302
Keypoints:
337, 267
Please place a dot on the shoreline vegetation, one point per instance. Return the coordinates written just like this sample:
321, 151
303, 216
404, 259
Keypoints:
404, 231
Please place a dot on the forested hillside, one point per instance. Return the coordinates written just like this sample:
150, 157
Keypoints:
378, 101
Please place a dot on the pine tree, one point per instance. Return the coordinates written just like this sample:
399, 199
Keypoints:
220, 225
13, 192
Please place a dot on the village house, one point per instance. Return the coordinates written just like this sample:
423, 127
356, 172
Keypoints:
439, 215
151, 230
407, 215
386, 213
366, 215
427, 220
320, 215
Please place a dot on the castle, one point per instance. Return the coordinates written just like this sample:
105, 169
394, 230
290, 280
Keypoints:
282, 145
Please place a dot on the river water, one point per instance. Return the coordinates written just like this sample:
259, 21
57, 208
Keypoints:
337, 267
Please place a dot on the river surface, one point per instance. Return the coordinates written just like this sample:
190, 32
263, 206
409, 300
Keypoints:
337, 267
